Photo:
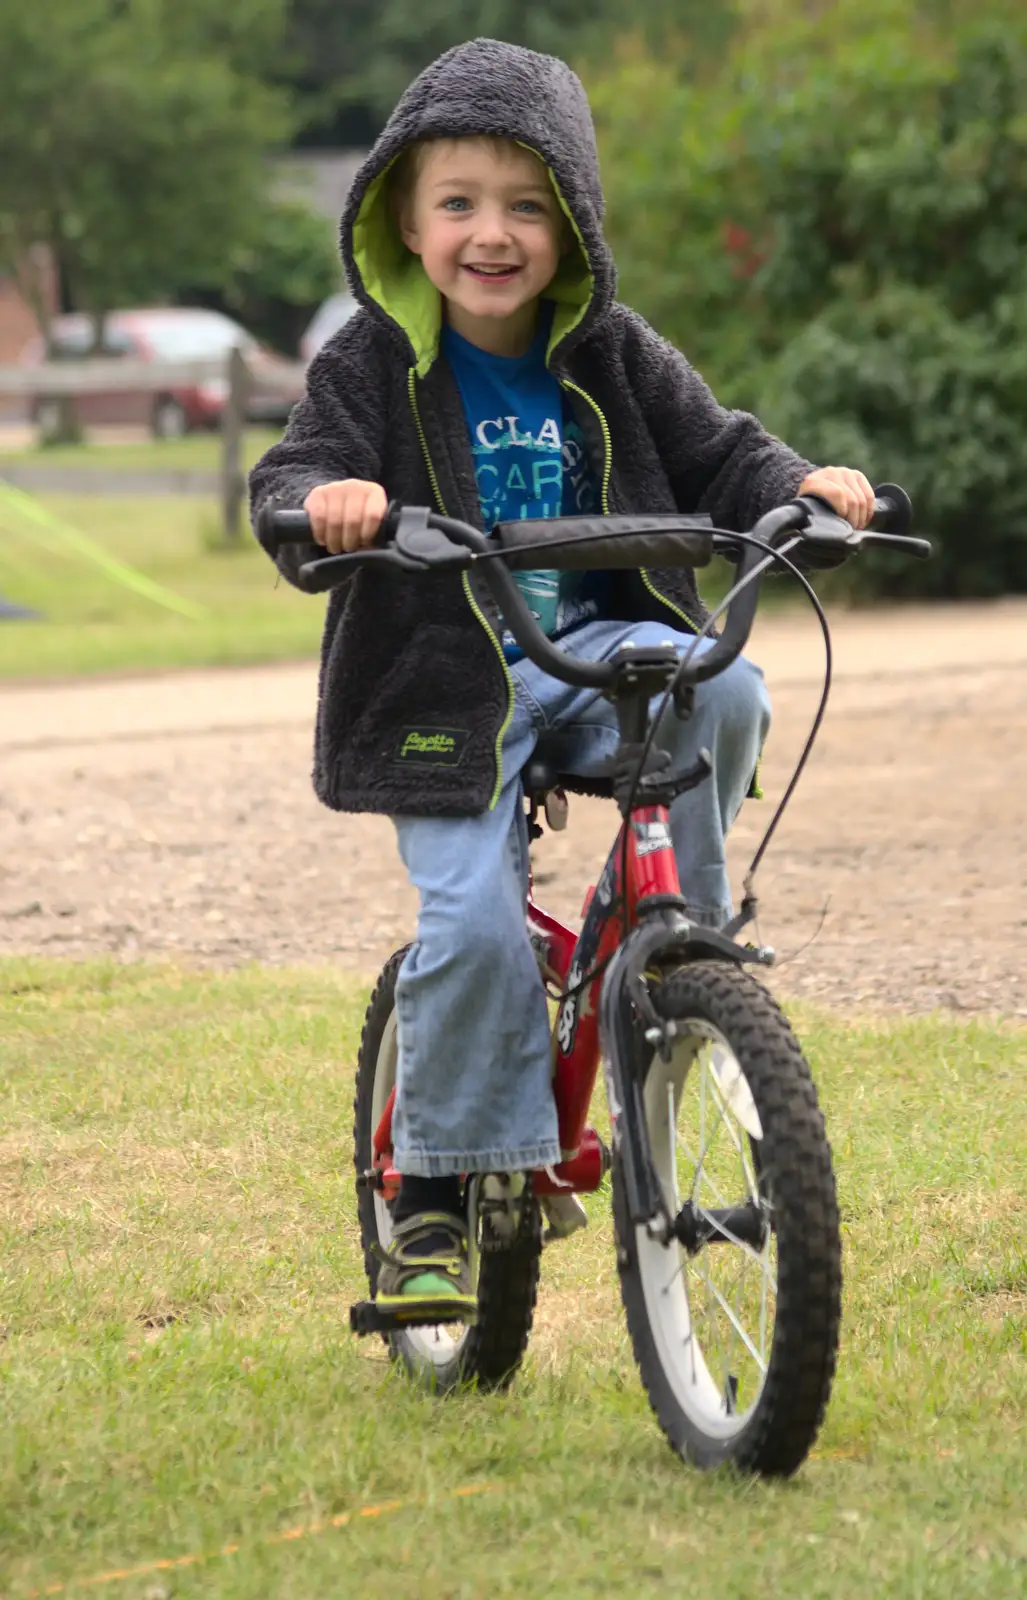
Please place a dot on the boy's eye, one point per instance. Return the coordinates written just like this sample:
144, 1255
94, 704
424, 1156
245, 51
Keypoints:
528, 205
456, 202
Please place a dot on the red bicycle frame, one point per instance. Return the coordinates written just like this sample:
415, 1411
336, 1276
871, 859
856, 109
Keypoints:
564, 958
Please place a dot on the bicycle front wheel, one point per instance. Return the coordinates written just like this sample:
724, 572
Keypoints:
734, 1319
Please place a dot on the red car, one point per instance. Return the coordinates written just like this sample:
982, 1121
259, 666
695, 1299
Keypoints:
167, 334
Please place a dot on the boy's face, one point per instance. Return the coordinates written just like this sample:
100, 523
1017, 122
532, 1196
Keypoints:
488, 228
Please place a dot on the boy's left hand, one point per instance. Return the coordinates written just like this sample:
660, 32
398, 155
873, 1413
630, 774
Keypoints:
845, 490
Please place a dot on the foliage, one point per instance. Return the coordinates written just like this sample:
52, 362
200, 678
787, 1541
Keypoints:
276, 278
834, 227
916, 395
363, 53
139, 132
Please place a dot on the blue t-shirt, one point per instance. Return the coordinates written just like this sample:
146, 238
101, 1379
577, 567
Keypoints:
530, 460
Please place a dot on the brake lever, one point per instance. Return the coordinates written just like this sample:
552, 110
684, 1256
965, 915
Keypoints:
423, 546
315, 576
825, 525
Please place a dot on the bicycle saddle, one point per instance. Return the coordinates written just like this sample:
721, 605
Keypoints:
543, 772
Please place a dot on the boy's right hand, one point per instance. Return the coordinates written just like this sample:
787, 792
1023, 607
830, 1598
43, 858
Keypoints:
345, 515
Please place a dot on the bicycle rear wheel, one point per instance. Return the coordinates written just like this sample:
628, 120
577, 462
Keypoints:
734, 1320
444, 1356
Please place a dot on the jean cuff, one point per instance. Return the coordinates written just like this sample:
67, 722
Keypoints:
421, 1164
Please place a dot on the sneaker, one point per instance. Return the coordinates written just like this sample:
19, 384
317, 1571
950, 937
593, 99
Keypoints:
425, 1274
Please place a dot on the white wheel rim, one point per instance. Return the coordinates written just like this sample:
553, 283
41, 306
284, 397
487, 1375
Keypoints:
712, 1313
434, 1343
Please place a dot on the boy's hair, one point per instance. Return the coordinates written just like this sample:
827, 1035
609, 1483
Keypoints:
406, 168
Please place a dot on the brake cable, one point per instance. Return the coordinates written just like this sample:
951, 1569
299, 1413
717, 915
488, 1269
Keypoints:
774, 557
748, 912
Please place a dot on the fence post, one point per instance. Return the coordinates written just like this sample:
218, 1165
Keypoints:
233, 418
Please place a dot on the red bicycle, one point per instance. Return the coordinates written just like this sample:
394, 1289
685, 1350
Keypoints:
724, 1204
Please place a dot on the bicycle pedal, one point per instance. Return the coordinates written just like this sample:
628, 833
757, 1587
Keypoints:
564, 1213
366, 1317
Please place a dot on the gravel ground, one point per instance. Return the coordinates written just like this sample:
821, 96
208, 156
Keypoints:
172, 817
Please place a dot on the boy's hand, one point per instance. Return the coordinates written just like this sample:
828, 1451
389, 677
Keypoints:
846, 491
346, 515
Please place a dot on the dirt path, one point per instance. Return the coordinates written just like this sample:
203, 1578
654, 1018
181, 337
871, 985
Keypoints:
173, 816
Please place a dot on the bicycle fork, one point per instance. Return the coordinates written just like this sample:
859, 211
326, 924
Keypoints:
628, 1024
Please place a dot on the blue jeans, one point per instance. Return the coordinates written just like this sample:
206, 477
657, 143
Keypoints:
474, 1090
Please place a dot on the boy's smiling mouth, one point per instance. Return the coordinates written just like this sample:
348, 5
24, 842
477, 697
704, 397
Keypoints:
491, 274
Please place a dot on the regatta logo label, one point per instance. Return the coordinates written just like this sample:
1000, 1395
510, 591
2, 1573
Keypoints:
431, 747
650, 837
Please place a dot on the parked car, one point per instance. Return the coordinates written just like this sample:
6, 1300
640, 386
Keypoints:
168, 333
329, 317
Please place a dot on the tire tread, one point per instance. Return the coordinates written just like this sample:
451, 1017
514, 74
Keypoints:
801, 1369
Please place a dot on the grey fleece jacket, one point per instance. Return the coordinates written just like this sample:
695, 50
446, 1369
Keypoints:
406, 658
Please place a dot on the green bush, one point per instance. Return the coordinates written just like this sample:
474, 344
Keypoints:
834, 228
915, 395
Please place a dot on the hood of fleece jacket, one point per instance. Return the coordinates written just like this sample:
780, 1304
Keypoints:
483, 88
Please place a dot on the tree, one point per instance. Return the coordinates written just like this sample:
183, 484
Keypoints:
275, 281
833, 225
133, 138
362, 54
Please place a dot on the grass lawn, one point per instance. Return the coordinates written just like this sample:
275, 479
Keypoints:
196, 452
93, 623
180, 1251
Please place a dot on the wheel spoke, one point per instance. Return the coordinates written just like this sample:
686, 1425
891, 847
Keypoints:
739, 1143
738, 1284
719, 1199
712, 1293
702, 1115
704, 1142
672, 1117
721, 1305
729, 1313
764, 1280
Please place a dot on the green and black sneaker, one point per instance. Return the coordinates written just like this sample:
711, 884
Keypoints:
425, 1274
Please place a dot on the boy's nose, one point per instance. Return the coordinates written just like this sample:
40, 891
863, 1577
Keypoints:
491, 227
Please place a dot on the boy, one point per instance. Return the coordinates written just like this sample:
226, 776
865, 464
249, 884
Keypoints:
492, 375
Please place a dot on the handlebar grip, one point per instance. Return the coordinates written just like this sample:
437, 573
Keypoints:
893, 510
276, 526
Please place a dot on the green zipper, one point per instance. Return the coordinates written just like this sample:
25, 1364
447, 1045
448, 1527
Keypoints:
436, 491
471, 601
662, 598
755, 789
604, 498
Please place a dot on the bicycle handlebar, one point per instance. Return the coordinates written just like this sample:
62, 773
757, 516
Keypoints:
413, 539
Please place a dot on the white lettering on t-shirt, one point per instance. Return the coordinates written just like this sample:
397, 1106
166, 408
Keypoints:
515, 437
490, 422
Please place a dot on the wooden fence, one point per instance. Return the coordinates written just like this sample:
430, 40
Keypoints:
104, 375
